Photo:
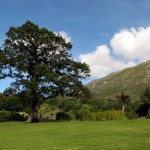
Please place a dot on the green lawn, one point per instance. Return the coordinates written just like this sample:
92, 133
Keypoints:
100, 135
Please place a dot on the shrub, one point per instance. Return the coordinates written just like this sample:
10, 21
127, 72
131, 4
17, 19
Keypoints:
100, 116
64, 103
131, 110
131, 115
47, 112
70, 105
16, 117
11, 103
148, 113
4, 115
34, 120
109, 115
91, 108
11, 116
63, 116
84, 115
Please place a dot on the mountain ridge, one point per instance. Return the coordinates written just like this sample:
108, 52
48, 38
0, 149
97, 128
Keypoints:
133, 81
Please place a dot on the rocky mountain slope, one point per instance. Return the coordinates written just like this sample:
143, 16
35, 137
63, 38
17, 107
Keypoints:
133, 81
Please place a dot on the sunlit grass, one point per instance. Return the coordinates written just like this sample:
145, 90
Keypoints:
100, 135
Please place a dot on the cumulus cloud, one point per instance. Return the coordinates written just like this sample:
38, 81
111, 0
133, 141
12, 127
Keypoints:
65, 36
132, 44
102, 63
127, 46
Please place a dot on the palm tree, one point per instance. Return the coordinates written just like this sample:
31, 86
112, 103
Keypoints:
123, 100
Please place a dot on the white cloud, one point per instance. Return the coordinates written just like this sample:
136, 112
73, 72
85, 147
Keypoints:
102, 63
128, 48
132, 44
65, 36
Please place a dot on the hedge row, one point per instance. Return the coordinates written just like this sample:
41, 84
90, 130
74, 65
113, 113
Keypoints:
11, 116
85, 115
100, 116
110, 115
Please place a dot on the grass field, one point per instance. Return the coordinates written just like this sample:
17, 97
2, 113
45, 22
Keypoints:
100, 135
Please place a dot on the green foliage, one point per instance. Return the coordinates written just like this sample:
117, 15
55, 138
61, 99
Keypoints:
9, 91
110, 115
92, 108
99, 116
47, 112
63, 116
131, 110
64, 103
4, 115
11, 116
148, 113
35, 120
146, 97
42, 65
85, 115
131, 115
68, 104
11, 103
123, 100
145, 103
105, 104
17, 117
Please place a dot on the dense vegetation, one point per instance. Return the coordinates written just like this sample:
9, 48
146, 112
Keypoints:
87, 135
48, 82
70, 108
42, 66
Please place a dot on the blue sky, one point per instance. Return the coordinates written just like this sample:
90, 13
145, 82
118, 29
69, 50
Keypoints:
95, 28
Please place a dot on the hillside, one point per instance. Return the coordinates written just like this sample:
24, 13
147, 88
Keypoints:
133, 81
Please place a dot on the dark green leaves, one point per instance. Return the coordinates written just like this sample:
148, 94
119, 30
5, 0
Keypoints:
41, 63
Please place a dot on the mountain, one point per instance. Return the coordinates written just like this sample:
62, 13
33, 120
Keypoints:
133, 81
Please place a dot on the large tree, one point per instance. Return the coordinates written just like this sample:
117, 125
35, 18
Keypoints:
41, 64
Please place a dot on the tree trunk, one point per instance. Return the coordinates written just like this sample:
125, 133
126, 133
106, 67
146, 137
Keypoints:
33, 117
123, 108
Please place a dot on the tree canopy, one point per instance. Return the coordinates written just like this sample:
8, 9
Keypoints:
41, 64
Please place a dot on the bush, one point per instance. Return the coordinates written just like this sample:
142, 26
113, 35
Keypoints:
110, 115
11, 116
11, 103
16, 117
64, 103
63, 116
34, 120
99, 116
91, 108
131, 110
70, 105
85, 115
4, 115
148, 113
131, 115
47, 112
